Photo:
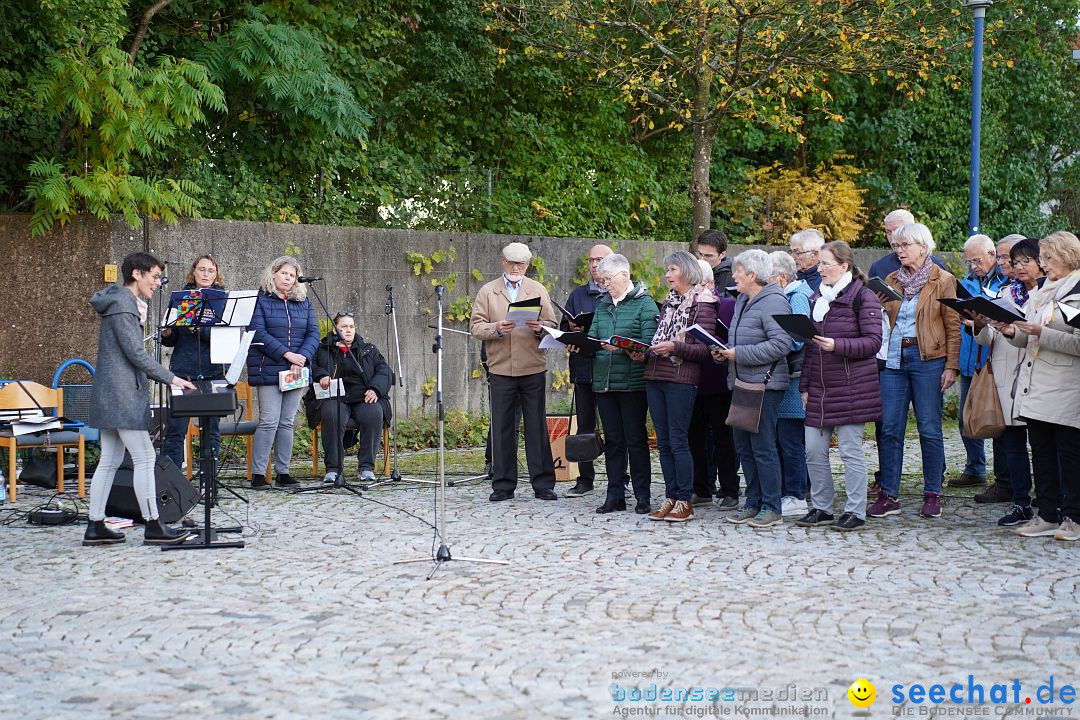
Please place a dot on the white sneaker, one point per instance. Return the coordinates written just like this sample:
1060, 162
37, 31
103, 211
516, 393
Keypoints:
1036, 527
1069, 530
367, 475
793, 507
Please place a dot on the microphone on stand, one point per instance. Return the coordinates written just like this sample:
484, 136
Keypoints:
308, 278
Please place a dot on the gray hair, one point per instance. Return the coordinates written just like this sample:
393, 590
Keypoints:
706, 270
1010, 240
266, 281
916, 233
613, 265
688, 266
899, 215
983, 242
756, 263
783, 264
809, 239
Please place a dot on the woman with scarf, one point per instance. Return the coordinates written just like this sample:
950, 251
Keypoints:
1005, 359
922, 363
120, 404
1048, 390
839, 385
756, 353
672, 372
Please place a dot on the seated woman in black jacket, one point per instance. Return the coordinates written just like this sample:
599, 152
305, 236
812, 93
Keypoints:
366, 376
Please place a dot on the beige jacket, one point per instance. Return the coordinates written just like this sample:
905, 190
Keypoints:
517, 353
1005, 360
1048, 385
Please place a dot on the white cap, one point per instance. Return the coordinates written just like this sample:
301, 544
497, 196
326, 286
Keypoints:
517, 252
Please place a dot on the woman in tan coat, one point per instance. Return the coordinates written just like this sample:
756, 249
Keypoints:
1048, 389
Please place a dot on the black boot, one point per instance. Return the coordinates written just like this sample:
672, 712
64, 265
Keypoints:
258, 482
98, 534
285, 480
158, 533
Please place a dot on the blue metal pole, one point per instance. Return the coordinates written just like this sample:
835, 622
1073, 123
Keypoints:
976, 117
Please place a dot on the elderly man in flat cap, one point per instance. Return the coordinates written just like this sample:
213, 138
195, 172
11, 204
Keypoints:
517, 377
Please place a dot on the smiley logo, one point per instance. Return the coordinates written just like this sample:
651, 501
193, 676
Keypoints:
862, 693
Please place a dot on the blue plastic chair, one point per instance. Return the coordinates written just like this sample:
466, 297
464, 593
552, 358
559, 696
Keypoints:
77, 399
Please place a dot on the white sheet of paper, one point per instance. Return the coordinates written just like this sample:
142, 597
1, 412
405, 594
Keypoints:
224, 342
521, 316
336, 389
170, 318
550, 343
1068, 312
232, 375
239, 307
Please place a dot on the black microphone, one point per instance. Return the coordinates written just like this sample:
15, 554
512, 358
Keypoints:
308, 278
164, 279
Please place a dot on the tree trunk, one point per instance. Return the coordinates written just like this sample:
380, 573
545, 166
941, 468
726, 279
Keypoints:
704, 134
700, 193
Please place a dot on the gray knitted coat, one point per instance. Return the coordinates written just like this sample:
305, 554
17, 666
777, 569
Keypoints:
119, 399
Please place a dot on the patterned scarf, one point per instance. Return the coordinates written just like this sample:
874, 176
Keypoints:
914, 280
675, 314
1019, 293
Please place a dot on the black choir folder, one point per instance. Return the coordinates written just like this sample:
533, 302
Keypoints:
799, 327
1000, 310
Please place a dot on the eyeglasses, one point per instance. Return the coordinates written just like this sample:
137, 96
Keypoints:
511, 263
707, 255
905, 245
797, 253
973, 263
1043, 259
828, 265
1022, 262
206, 270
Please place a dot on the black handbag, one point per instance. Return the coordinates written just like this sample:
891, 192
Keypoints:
583, 447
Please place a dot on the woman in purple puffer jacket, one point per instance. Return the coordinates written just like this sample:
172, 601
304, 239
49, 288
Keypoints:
840, 385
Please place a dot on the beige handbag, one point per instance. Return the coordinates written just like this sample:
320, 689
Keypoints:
983, 417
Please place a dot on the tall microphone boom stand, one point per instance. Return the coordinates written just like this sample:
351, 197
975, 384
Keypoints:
443, 555
399, 384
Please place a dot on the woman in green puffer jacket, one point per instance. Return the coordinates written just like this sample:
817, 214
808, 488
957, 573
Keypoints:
619, 382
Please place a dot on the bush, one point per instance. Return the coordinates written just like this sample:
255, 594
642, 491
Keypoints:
463, 430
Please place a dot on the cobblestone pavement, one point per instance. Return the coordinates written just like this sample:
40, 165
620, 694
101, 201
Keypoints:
313, 620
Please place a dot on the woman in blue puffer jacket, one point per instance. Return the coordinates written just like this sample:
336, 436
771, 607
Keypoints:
286, 337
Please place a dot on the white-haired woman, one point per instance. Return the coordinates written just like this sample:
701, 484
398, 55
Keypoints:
286, 338
805, 246
672, 373
757, 350
922, 363
790, 429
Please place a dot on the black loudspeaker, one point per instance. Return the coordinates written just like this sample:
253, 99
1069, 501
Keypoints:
175, 495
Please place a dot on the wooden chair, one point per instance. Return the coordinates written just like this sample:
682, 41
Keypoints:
315, 450
25, 395
244, 427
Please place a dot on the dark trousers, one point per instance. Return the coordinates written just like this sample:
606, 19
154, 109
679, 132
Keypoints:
709, 432
176, 431
623, 416
585, 403
791, 448
510, 396
1055, 458
1002, 473
1014, 453
337, 416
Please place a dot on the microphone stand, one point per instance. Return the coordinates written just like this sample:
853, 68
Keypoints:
443, 554
398, 382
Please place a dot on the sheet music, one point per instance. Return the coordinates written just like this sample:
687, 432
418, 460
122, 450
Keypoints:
224, 343
239, 308
336, 389
1068, 312
232, 375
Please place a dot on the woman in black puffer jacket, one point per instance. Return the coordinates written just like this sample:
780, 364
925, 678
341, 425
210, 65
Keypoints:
191, 358
366, 376
286, 336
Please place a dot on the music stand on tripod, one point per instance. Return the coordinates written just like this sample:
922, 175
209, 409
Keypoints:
443, 553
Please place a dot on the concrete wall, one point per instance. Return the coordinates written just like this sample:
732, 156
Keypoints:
46, 317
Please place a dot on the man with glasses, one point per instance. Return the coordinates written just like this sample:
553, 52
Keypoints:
805, 246
984, 278
890, 263
583, 299
712, 248
517, 375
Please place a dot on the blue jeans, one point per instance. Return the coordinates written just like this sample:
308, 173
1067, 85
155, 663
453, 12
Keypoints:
671, 405
759, 457
975, 465
918, 383
791, 441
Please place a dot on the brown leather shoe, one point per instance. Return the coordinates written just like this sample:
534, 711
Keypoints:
683, 511
663, 510
965, 480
